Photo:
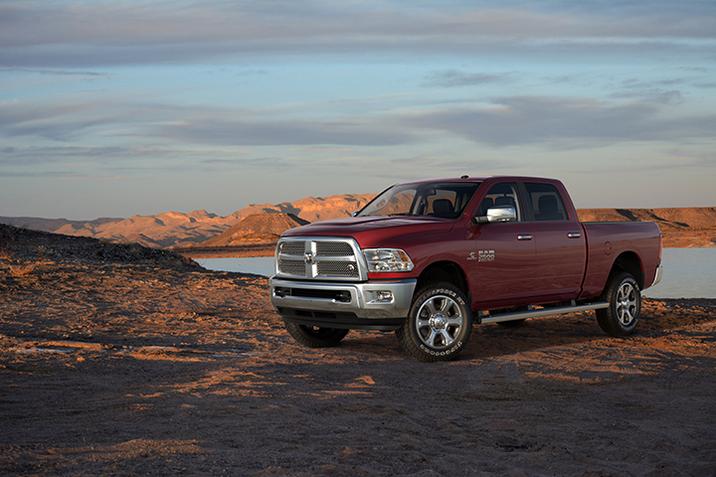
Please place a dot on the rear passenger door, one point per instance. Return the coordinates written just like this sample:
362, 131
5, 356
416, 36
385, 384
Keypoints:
560, 243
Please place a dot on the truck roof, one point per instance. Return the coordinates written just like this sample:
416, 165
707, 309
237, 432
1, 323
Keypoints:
479, 179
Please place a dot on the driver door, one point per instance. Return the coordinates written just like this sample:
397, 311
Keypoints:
502, 263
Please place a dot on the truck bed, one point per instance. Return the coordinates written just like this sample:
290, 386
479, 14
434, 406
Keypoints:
608, 240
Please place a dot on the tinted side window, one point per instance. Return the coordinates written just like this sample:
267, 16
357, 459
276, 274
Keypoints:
545, 201
500, 195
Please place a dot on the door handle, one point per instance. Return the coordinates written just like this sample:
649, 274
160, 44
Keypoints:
524, 237
574, 235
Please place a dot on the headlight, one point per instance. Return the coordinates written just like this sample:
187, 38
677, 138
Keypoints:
387, 260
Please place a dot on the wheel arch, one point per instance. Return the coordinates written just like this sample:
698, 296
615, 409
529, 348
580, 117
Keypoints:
444, 270
630, 262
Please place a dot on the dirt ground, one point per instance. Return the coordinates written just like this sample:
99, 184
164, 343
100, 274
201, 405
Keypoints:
111, 368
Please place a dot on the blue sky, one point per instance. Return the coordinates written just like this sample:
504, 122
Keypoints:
117, 108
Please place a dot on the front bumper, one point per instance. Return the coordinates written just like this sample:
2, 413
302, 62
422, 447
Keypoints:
343, 305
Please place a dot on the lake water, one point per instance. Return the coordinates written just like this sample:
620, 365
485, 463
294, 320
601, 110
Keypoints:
688, 272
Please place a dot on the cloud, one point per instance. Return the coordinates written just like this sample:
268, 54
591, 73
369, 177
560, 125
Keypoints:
63, 35
452, 78
564, 122
283, 132
196, 125
56, 72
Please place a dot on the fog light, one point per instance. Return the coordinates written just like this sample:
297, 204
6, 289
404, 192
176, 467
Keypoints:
281, 292
343, 296
381, 296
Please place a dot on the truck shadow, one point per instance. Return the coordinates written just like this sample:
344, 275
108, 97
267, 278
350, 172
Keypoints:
492, 340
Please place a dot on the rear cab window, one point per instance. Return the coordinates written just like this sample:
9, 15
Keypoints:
545, 201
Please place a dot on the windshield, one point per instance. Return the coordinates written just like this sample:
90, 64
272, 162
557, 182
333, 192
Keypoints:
444, 199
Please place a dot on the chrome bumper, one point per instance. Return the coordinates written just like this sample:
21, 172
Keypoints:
657, 276
363, 297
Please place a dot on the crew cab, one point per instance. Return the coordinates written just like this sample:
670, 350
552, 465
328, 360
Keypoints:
430, 258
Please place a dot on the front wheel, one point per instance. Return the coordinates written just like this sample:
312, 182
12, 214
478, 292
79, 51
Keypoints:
315, 336
622, 315
438, 325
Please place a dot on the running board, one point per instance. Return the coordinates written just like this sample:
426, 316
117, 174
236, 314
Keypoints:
558, 310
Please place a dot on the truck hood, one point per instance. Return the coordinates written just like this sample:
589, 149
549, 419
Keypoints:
396, 232
354, 225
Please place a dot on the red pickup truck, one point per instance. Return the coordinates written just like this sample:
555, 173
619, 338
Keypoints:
428, 259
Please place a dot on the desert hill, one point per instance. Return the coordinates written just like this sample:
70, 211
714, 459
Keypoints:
19, 244
184, 229
263, 228
312, 209
681, 226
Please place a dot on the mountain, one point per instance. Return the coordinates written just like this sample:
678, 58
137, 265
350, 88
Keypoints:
185, 229
312, 209
681, 226
264, 228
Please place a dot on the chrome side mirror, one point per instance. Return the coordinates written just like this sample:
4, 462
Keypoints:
498, 214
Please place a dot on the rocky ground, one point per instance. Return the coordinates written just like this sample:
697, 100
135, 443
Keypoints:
115, 360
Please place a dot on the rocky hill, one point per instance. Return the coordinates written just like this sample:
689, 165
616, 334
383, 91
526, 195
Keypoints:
184, 229
22, 245
312, 209
681, 226
264, 228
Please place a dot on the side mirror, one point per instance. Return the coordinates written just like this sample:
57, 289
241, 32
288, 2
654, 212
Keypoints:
498, 214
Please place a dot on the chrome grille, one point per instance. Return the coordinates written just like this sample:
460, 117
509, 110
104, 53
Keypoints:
333, 249
320, 258
293, 247
337, 269
292, 267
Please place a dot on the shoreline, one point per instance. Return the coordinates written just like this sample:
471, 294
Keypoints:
242, 251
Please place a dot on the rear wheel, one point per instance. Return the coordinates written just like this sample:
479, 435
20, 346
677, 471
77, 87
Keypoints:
315, 336
624, 297
438, 325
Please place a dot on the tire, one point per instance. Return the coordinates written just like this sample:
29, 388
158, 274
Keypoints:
624, 297
314, 336
438, 325
512, 323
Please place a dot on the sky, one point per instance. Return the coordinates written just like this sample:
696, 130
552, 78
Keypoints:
122, 108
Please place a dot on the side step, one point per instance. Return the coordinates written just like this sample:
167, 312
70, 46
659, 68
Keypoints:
556, 310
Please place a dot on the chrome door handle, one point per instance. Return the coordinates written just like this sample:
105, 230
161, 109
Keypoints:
574, 235
524, 237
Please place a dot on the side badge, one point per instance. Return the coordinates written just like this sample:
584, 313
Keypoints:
481, 256
486, 255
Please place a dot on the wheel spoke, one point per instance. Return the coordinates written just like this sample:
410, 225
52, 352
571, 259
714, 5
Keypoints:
445, 305
422, 323
431, 306
447, 339
430, 340
454, 320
